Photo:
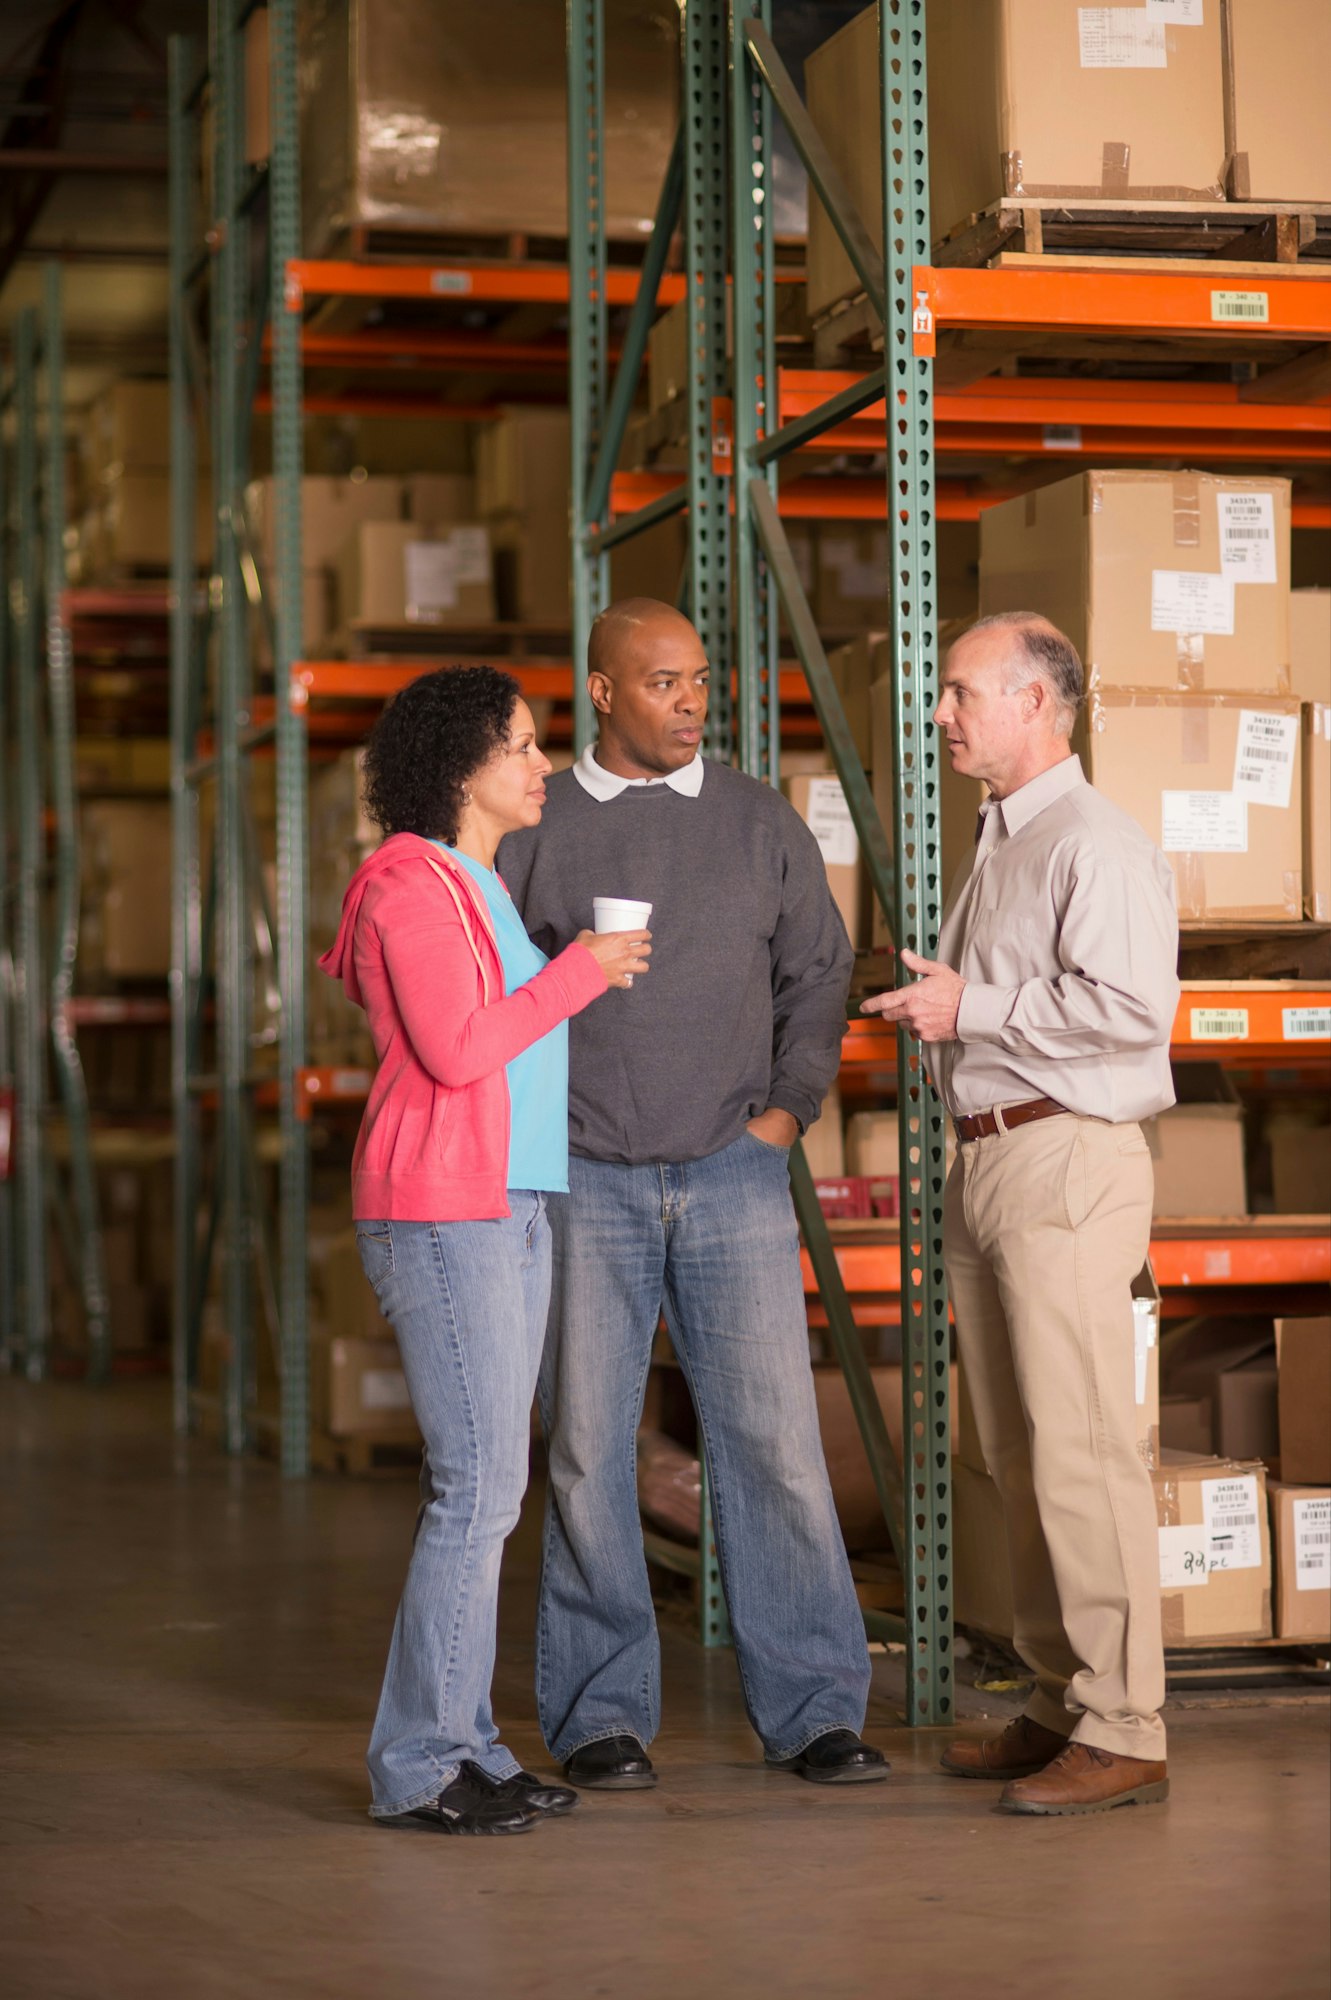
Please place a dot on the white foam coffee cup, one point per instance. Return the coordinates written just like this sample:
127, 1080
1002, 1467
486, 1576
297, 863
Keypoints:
617, 913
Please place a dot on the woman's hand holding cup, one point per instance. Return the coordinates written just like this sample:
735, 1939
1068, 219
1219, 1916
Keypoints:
618, 953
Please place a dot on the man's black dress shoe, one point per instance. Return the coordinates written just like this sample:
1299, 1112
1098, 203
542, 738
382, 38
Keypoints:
533, 1791
473, 1803
614, 1764
838, 1757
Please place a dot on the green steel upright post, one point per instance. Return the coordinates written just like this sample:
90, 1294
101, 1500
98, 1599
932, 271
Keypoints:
64, 800
29, 985
229, 292
9, 1344
755, 388
292, 810
588, 333
706, 242
911, 488
183, 57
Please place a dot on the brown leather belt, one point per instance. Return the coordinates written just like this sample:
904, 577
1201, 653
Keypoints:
984, 1124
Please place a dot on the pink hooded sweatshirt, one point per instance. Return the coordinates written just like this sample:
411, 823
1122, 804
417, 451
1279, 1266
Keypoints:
416, 949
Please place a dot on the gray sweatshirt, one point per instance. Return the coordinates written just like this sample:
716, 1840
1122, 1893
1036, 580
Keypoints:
745, 1003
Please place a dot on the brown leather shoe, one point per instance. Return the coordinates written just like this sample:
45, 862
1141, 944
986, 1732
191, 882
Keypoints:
1082, 1779
1023, 1748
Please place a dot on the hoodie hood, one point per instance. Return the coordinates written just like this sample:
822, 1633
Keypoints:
401, 851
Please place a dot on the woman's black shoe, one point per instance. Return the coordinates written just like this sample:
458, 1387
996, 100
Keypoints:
615, 1764
473, 1803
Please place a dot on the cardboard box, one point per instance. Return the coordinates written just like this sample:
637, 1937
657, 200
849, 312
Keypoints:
821, 804
1215, 1550
258, 140
852, 577
1301, 1168
122, 764
1026, 97
452, 120
126, 893
359, 1390
441, 499
533, 575
1310, 640
1303, 1359
134, 522
394, 573
1277, 58
1301, 1547
1169, 580
344, 1295
1216, 781
1317, 812
824, 1142
129, 430
651, 564
1186, 1424
329, 510
857, 1505
523, 465
1197, 1147
1230, 1363
872, 1144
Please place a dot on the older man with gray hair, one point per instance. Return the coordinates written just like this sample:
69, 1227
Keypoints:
1046, 1023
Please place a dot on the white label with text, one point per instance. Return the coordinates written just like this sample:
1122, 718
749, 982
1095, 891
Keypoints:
1264, 757
1120, 38
1306, 1024
1179, 13
1234, 308
831, 825
1203, 823
1192, 600
1183, 1558
1231, 1510
430, 573
1247, 536
1312, 1544
1219, 1024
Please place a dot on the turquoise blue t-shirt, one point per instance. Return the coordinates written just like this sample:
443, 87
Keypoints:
538, 1078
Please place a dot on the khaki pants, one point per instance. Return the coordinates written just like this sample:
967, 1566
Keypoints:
1045, 1229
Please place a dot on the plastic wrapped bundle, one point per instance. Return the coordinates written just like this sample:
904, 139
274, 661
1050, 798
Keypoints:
669, 1486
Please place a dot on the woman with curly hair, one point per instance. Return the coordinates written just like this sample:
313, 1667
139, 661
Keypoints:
464, 1137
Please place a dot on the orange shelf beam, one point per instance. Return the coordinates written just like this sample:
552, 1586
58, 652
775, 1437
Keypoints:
1149, 302
1179, 1263
486, 284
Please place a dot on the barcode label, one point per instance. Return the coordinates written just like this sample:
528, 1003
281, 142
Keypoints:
1247, 536
1306, 1024
1219, 1024
1230, 306
1312, 1544
1061, 437
1230, 1511
1264, 757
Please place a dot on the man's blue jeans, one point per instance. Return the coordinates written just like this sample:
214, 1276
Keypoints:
715, 1243
468, 1303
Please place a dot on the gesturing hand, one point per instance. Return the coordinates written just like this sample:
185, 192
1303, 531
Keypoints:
618, 953
929, 1007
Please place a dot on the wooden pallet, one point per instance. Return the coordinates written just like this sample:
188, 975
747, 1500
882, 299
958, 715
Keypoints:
1229, 236
364, 1457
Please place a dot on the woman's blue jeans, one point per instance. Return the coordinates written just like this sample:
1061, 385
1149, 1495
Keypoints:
468, 1303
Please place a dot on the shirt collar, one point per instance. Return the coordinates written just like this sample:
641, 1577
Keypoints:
1019, 808
603, 784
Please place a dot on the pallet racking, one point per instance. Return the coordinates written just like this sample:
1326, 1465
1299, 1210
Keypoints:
742, 421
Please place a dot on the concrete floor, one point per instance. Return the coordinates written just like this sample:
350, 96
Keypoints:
190, 1659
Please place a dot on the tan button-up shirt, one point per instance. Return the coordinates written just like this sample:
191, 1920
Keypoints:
1066, 932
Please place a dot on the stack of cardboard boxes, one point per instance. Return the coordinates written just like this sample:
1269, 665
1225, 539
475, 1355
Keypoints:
341, 836
1044, 98
1174, 587
1238, 1442
124, 528
357, 1387
522, 488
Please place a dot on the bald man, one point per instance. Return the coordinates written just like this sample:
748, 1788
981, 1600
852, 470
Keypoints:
684, 1101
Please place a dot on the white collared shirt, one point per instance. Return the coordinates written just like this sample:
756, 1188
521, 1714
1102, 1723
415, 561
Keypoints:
603, 784
1064, 929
